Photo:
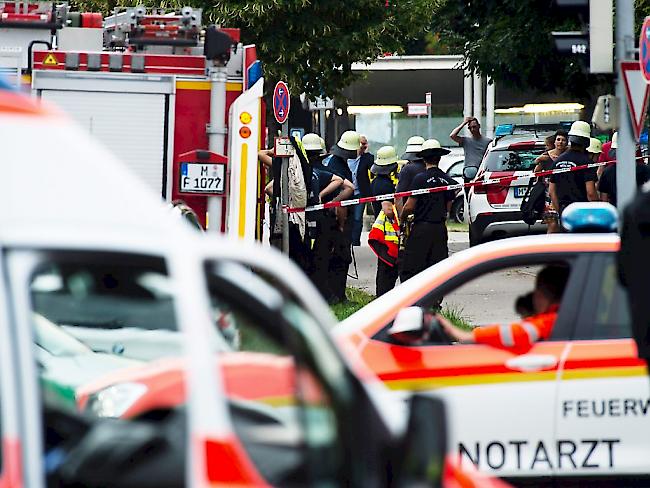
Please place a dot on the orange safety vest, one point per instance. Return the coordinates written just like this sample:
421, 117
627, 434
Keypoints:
383, 238
518, 336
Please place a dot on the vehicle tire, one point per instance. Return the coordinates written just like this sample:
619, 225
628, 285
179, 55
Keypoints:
474, 240
458, 210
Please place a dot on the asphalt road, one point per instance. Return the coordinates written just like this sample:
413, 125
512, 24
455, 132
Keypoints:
487, 300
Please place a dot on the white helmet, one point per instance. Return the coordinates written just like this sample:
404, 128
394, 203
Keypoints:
595, 146
311, 142
614, 141
414, 144
580, 129
349, 141
386, 155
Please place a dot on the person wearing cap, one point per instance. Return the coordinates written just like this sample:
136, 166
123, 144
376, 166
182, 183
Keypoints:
574, 186
607, 182
427, 242
360, 169
341, 255
384, 235
322, 224
595, 149
414, 166
474, 146
383, 170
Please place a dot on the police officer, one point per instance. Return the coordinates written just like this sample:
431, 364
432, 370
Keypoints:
427, 241
323, 226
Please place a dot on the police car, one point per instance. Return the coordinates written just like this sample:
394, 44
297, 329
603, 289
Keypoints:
494, 210
576, 406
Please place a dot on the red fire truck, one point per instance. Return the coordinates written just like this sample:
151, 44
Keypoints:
157, 89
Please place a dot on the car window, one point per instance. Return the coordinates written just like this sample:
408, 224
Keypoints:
106, 344
512, 160
281, 408
112, 307
456, 169
612, 315
497, 296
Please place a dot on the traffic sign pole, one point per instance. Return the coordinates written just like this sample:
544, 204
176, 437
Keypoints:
281, 107
626, 150
429, 126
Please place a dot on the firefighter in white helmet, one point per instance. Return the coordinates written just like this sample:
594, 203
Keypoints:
346, 148
414, 166
574, 186
323, 227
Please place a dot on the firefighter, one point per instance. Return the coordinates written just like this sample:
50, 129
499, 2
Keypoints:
323, 226
414, 166
521, 336
595, 149
384, 235
384, 171
427, 241
341, 257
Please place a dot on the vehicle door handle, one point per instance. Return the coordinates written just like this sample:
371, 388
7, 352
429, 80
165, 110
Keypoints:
532, 362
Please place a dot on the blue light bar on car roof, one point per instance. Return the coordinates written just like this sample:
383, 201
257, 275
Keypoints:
504, 130
590, 217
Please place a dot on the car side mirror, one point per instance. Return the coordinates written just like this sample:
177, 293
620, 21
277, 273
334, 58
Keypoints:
424, 446
408, 326
469, 172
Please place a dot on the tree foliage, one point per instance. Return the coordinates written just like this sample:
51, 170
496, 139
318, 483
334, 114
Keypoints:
312, 44
510, 41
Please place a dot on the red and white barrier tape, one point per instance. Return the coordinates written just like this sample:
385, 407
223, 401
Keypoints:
458, 186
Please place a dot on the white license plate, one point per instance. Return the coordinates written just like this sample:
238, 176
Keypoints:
520, 191
202, 178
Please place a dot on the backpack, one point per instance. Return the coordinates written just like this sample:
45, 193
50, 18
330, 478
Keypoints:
532, 206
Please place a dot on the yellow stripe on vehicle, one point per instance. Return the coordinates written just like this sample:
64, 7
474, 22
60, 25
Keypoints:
414, 384
242, 190
205, 85
611, 372
477, 379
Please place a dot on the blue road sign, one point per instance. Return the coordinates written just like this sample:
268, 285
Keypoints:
281, 103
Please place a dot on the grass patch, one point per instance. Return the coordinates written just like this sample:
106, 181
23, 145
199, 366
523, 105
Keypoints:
455, 316
356, 299
456, 227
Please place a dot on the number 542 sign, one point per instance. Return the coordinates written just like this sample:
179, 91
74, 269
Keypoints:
205, 178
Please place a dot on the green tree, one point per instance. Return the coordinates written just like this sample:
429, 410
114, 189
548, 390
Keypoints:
510, 41
312, 44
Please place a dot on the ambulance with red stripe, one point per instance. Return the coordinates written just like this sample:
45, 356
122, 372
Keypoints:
112, 259
572, 409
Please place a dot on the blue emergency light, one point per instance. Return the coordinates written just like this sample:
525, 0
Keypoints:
590, 217
504, 130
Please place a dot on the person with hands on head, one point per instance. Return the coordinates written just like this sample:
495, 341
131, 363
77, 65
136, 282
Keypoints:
474, 147
519, 337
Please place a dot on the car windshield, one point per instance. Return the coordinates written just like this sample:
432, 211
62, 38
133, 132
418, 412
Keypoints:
124, 308
512, 159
